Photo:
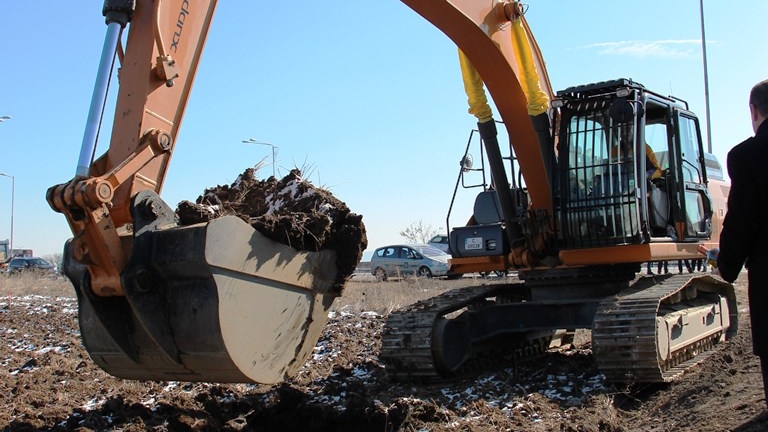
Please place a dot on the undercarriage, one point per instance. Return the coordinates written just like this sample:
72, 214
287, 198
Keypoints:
644, 329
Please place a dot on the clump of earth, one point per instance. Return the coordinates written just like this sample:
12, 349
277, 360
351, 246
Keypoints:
291, 211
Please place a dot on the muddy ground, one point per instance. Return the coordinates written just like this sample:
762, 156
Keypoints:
48, 382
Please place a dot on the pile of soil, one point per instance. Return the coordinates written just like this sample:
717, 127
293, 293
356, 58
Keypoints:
291, 211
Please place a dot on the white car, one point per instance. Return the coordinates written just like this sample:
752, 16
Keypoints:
441, 242
415, 259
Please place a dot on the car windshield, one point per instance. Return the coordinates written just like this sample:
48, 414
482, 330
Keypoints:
38, 262
429, 251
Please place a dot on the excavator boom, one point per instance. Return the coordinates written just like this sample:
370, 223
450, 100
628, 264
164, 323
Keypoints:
485, 34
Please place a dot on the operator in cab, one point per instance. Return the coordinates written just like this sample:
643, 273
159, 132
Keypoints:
623, 152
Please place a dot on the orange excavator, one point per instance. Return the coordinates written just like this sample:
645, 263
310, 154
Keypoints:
217, 301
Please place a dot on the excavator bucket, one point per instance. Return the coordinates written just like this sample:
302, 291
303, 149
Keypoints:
215, 301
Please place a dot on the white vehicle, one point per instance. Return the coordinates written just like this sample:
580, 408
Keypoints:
417, 259
440, 241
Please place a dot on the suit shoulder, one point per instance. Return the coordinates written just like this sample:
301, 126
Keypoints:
749, 147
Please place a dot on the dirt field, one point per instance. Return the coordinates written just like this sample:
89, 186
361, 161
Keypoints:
48, 382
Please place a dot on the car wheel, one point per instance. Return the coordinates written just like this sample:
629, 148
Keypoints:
380, 274
425, 272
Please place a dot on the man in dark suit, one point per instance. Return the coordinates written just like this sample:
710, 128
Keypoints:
745, 227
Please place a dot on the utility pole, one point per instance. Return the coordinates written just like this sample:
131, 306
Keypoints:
706, 77
13, 198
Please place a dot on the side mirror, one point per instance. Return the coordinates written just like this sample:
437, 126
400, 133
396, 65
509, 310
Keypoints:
466, 163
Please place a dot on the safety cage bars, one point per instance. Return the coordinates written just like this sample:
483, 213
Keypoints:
597, 203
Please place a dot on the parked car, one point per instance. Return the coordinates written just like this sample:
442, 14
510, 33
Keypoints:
441, 242
415, 259
31, 264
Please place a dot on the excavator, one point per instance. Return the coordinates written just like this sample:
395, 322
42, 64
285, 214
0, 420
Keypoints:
217, 301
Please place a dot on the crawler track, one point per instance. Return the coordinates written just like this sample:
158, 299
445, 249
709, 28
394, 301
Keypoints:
626, 336
650, 332
407, 338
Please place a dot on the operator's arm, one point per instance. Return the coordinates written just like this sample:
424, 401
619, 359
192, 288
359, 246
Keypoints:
652, 164
739, 226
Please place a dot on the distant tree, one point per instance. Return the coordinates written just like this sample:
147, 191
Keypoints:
54, 259
417, 232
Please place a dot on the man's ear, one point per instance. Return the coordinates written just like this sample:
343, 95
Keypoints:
755, 115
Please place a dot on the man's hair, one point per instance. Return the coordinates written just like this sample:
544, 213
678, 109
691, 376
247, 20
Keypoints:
759, 97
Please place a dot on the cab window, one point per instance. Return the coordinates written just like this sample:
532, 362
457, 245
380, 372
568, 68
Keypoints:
689, 149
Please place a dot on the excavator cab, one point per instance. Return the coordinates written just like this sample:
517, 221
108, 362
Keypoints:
631, 169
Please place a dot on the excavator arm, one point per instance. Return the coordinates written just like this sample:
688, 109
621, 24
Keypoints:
217, 301
157, 70
158, 300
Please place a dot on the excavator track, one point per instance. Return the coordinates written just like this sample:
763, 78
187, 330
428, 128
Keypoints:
661, 326
651, 331
409, 343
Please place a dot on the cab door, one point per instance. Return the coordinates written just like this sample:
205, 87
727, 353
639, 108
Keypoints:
693, 206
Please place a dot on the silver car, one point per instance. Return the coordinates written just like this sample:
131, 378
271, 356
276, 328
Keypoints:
415, 259
441, 242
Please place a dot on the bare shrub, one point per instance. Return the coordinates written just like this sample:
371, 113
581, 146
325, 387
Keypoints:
418, 232
35, 284
384, 297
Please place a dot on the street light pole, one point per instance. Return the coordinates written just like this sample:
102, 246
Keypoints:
13, 193
13, 189
253, 141
706, 76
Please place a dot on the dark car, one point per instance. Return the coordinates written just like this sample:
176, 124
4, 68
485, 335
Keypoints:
31, 264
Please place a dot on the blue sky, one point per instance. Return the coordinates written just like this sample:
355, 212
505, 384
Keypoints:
366, 99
